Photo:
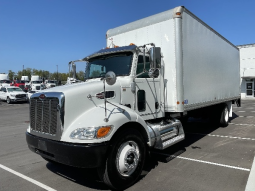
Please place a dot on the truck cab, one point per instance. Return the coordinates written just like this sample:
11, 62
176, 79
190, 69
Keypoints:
36, 83
123, 94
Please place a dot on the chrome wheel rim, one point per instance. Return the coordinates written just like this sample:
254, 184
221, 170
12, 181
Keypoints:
127, 158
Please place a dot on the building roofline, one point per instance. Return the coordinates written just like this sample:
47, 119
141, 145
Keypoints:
246, 45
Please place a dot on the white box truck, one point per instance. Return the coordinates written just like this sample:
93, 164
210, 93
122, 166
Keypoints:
36, 83
136, 96
4, 80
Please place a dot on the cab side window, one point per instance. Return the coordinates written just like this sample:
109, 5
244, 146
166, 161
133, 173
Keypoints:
140, 66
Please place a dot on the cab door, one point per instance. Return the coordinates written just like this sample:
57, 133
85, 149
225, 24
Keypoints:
148, 92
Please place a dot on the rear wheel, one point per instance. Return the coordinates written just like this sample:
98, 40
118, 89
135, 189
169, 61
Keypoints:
8, 100
224, 117
125, 160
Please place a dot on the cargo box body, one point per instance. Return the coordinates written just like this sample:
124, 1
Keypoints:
201, 67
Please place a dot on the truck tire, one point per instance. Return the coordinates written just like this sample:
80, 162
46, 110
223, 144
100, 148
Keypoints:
224, 117
125, 160
8, 100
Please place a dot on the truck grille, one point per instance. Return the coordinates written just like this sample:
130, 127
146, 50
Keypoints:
21, 96
43, 115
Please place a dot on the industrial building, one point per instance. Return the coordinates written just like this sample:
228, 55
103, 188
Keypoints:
247, 70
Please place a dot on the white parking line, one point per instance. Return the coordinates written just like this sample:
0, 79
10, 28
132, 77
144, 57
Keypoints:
27, 178
250, 186
241, 124
250, 139
202, 161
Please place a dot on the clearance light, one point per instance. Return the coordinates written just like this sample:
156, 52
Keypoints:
178, 102
103, 131
116, 46
131, 44
178, 13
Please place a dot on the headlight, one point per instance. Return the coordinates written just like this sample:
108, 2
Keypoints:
91, 132
13, 95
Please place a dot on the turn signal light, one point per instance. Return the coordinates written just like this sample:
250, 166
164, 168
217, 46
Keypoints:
103, 131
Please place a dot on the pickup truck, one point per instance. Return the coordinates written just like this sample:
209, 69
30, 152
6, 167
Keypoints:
18, 83
13, 94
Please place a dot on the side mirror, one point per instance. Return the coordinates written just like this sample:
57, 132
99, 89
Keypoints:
110, 78
155, 57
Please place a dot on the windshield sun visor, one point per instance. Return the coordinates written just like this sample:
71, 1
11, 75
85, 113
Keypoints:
131, 48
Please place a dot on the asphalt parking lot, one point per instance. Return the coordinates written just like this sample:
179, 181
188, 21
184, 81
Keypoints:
210, 158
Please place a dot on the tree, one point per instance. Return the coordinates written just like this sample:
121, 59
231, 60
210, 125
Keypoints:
80, 75
11, 75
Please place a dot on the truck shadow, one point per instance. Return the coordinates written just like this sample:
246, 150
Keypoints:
85, 177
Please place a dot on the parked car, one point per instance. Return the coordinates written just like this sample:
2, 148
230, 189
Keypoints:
13, 94
50, 83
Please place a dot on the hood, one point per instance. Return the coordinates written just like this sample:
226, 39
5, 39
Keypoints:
17, 92
77, 97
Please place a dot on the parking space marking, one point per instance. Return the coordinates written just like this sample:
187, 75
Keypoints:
250, 183
250, 139
27, 178
202, 161
241, 124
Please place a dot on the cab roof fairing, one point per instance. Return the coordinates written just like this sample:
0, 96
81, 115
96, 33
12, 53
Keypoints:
131, 48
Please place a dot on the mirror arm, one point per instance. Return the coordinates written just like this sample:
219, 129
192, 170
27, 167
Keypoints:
144, 60
105, 119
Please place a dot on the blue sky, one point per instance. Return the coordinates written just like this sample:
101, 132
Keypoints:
42, 34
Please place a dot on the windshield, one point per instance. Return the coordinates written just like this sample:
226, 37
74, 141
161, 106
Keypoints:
119, 63
14, 89
5, 81
51, 81
37, 82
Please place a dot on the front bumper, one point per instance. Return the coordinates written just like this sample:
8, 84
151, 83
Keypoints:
72, 154
18, 99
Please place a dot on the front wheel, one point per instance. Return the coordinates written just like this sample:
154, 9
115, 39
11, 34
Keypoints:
125, 160
8, 100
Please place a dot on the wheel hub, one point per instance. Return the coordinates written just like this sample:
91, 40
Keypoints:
131, 159
127, 158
